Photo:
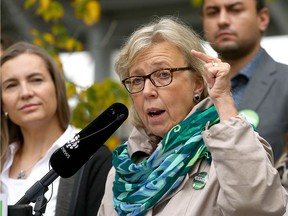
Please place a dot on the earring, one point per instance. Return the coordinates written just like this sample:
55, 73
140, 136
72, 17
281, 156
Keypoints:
196, 98
6, 114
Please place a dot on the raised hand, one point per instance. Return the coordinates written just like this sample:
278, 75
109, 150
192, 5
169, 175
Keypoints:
216, 73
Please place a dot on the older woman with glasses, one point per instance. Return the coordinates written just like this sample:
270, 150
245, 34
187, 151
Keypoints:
188, 154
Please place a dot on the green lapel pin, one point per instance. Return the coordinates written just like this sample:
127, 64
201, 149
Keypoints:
200, 180
251, 116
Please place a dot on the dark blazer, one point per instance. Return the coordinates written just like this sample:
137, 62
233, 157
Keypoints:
82, 193
267, 94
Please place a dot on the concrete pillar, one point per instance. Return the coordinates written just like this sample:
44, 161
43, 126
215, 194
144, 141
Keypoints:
98, 44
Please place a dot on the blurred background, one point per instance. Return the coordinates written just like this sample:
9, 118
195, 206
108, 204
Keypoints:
84, 36
117, 19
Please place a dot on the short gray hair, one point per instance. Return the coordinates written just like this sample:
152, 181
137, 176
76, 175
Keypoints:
169, 29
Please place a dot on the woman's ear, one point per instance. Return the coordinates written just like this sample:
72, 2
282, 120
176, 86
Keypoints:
199, 86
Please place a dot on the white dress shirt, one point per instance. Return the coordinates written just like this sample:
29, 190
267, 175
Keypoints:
16, 188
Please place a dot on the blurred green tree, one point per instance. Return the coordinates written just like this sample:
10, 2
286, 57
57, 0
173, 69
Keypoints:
91, 101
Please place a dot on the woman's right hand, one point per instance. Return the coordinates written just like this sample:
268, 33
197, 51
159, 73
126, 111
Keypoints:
217, 76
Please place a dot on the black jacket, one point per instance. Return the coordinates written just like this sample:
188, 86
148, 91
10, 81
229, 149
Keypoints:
81, 194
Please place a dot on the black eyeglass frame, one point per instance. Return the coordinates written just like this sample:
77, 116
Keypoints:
148, 76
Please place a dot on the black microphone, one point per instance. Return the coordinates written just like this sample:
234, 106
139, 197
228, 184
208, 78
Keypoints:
68, 159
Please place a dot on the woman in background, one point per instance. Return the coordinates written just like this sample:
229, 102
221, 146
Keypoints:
35, 120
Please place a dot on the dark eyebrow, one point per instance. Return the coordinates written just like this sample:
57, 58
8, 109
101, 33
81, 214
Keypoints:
35, 74
229, 5
12, 79
8, 80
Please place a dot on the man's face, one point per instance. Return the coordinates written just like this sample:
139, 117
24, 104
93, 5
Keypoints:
233, 27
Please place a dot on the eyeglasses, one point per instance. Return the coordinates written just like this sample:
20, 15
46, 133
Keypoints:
159, 78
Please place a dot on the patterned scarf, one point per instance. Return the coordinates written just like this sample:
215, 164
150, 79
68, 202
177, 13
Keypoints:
138, 187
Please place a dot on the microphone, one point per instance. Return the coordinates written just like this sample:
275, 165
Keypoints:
69, 158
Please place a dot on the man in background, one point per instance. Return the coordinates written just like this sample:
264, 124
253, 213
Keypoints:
234, 29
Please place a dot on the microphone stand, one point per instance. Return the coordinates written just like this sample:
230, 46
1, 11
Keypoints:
34, 194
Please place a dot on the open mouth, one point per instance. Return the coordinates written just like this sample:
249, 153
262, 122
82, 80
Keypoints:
155, 113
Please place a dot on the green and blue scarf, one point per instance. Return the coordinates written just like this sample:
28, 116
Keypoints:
138, 187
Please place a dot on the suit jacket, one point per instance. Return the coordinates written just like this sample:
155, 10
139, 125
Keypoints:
267, 94
82, 193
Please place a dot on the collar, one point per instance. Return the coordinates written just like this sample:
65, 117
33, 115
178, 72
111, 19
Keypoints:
248, 70
141, 144
13, 147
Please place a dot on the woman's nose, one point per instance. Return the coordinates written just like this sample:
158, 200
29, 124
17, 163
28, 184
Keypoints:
149, 88
26, 90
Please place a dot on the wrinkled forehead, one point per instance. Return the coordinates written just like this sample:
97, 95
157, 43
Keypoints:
157, 56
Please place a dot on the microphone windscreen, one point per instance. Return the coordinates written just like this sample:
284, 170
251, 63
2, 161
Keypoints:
68, 159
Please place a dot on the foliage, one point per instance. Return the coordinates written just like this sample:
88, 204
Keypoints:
87, 10
92, 101
196, 3
52, 11
95, 99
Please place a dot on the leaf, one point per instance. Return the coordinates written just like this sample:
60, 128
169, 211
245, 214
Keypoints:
56, 10
112, 142
49, 38
35, 32
69, 44
29, 3
196, 3
78, 46
38, 42
71, 89
93, 12
58, 29
43, 6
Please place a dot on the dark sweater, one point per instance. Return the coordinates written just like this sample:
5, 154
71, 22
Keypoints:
81, 194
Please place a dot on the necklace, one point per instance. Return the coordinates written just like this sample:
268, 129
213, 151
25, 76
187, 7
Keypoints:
23, 173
